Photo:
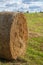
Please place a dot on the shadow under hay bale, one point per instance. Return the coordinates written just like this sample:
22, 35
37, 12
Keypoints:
14, 62
13, 35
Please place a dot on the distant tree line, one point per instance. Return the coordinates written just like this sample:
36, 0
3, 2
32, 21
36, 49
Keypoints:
28, 11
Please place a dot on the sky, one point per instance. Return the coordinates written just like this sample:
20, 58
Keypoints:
21, 5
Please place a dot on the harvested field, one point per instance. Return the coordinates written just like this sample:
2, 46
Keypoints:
34, 52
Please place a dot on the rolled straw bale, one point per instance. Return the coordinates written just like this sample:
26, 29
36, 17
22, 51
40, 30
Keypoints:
13, 35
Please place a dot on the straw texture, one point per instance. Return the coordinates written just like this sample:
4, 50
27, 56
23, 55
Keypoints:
13, 35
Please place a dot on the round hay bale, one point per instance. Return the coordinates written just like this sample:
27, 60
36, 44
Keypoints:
13, 35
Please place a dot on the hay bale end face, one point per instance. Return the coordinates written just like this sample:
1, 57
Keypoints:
13, 35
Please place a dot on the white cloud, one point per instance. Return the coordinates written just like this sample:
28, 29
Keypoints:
25, 5
34, 10
18, 4
36, 4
